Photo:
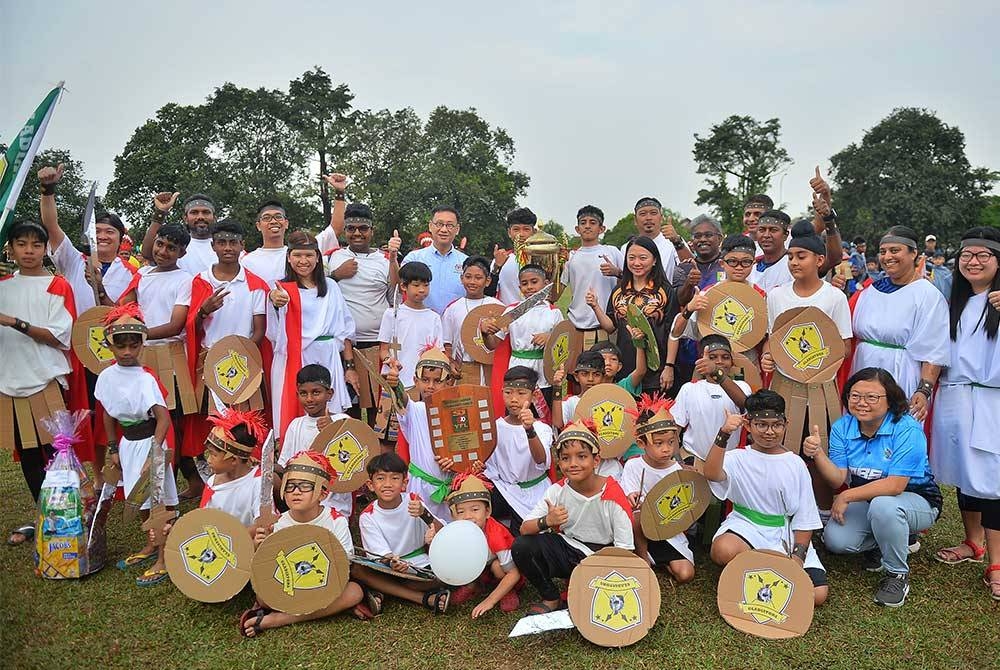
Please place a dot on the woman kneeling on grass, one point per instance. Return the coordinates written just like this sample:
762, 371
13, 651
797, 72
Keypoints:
880, 452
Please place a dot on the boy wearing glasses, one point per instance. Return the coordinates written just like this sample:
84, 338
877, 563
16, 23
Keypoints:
268, 262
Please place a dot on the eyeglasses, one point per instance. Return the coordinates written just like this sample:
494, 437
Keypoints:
983, 257
305, 487
736, 263
357, 229
268, 218
446, 226
869, 398
768, 426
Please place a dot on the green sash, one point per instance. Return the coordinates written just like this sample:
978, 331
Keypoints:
883, 345
759, 518
531, 483
415, 552
441, 487
528, 354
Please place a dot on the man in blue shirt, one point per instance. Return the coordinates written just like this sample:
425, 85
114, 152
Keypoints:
444, 260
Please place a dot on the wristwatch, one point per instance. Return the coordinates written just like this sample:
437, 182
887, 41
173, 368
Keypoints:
832, 216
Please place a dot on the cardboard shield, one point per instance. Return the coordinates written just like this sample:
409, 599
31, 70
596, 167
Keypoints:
233, 369
472, 338
299, 570
674, 504
348, 444
378, 566
766, 594
806, 345
564, 345
614, 598
88, 340
208, 555
605, 404
637, 319
460, 420
737, 312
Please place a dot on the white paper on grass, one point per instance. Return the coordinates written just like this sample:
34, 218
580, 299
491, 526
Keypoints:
542, 623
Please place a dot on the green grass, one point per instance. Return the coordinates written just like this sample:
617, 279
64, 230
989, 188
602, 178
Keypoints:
105, 621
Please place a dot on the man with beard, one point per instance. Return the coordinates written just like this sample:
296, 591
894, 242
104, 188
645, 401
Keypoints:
752, 210
199, 216
268, 262
649, 223
443, 258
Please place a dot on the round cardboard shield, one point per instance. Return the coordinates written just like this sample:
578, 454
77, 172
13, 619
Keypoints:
88, 340
233, 369
806, 345
299, 570
348, 444
606, 405
208, 554
472, 338
385, 569
674, 504
564, 345
637, 319
766, 594
614, 598
737, 312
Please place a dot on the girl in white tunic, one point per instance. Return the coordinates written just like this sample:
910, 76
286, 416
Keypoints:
770, 489
966, 423
475, 279
899, 322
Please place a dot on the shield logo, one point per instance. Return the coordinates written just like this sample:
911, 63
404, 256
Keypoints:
766, 595
732, 318
305, 567
347, 455
609, 417
616, 605
674, 502
98, 345
805, 346
206, 556
232, 372
560, 350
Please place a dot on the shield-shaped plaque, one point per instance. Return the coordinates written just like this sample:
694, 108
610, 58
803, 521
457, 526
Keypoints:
460, 420
674, 504
472, 337
348, 444
564, 345
88, 340
806, 345
208, 555
766, 594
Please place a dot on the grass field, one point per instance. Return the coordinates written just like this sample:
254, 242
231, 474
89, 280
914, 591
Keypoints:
105, 621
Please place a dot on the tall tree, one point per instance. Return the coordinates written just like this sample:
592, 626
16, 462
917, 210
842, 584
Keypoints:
910, 169
738, 156
71, 196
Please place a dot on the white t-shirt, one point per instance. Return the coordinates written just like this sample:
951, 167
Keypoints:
453, 318
28, 365
415, 330
299, 437
603, 518
199, 256
509, 281
239, 497
393, 531
268, 264
771, 276
633, 476
158, 293
700, 409
327, 241
829, 300
367, 292
128, 393
235, 317
327, 518
583, 272
71, 264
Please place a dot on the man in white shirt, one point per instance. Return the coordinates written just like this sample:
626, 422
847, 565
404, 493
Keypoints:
771, 267
593, 267
268, 262
649, 223
199, 217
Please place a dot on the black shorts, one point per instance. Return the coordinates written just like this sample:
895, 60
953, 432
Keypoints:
663, 552
990, 509
817, 575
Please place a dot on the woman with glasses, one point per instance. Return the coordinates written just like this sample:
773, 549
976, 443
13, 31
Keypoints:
899, 322
966, 421
880, 452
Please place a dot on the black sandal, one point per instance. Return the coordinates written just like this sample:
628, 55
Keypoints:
373, 599
437, 607
259, 613
27, 531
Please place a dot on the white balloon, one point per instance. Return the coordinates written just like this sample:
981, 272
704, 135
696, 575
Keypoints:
458, 553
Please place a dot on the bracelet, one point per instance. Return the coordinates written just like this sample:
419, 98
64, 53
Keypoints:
349, 364
926, 387
530, 432
800, 550
22, 326
722, 439
718, 376
679, 244
543, 525
427, 517
339, 195
158, 216
48, 189
670, 365
112, 448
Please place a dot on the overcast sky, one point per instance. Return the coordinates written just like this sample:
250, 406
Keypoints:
602, 98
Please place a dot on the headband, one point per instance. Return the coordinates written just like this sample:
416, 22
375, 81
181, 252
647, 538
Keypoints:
580, 434
755, 205
227, 235
896, 239
765, 414
717, 346
362, 219
198, 202
647, 202
980, 242
304, 246
538, 271
774, 220
218, 440
656, 427
519, 384
301, 468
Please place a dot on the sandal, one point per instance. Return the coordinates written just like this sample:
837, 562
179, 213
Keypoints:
542, 608
258, 614
994, 586
372, 599
951, 555
439, 605
151, 578
27, 532
135, 560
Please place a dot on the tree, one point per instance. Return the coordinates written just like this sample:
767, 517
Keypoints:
909, 169
71, 195
738, 157
990, 214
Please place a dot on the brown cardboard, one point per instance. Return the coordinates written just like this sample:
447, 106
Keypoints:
460, 421
674, 504
737, 312
348, 444
562, 348
299, 570
208, 555
806, 345
233, 369
472, 338
605, 404
88, 340
766, 594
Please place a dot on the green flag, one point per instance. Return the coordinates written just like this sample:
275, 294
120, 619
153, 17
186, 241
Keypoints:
14, 165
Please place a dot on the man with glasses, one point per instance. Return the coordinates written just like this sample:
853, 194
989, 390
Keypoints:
705, 269
443, 258
199, 217
268, 262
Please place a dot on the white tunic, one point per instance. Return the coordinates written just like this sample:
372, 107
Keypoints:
413, 423
129, 394
327, 518
700, 409
29, 366
829, 300
238, 497
299, 437
451, 325
582, 273
394, 531
158, 293
597, 519
512, 465
966, 424
268, 264
367, 292
199, 256
772, 276
915, 317
71, 264
631, 478
235, 317
539, 319
776, 484
509, 281
415, 329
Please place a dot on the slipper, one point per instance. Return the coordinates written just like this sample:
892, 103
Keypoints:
135, 560
372, 600
258, 613
27, 531
439, 605
950, 555
151, 578
362, 613
542, 608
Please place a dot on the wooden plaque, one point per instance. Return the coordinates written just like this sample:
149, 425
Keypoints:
460, 421
88, 340
737, 312
564, 346
614, 598
472, 338
299, 570
348, 444
208, 555
674, 504
766, 594
806, 345
233, 369
605, 404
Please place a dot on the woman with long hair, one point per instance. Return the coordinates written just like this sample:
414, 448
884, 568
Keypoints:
966, 422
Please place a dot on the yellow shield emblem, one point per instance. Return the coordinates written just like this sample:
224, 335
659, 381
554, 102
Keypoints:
732, 318
305, 567
609, 417
98, 345
765, 596
346, 455
207, 555
804, 345
232, 372
675, 502
616, 604
560, 350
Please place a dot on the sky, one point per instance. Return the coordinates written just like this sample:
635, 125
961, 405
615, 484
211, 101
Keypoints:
602, 98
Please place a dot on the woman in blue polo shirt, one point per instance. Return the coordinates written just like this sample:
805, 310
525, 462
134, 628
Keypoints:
880, 452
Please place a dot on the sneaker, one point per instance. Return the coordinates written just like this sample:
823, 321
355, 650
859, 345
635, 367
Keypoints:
873, 560
510, 602
913, 544
892, 590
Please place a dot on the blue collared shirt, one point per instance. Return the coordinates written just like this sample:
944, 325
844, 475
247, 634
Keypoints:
446, 273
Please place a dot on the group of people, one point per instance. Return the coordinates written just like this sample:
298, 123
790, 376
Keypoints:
919, 388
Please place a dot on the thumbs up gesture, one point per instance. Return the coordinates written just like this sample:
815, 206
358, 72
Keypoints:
669, 231
394, 243
591, 298
526, 417
820, 186
813, 444
163, 201
336, 181
499, 256
732, 423
279, 297
557, 516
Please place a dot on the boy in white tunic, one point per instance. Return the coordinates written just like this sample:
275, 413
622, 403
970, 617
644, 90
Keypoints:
657, 435
770, 489
475, 278
133, 399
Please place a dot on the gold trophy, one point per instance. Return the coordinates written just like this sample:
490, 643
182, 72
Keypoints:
544, 250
